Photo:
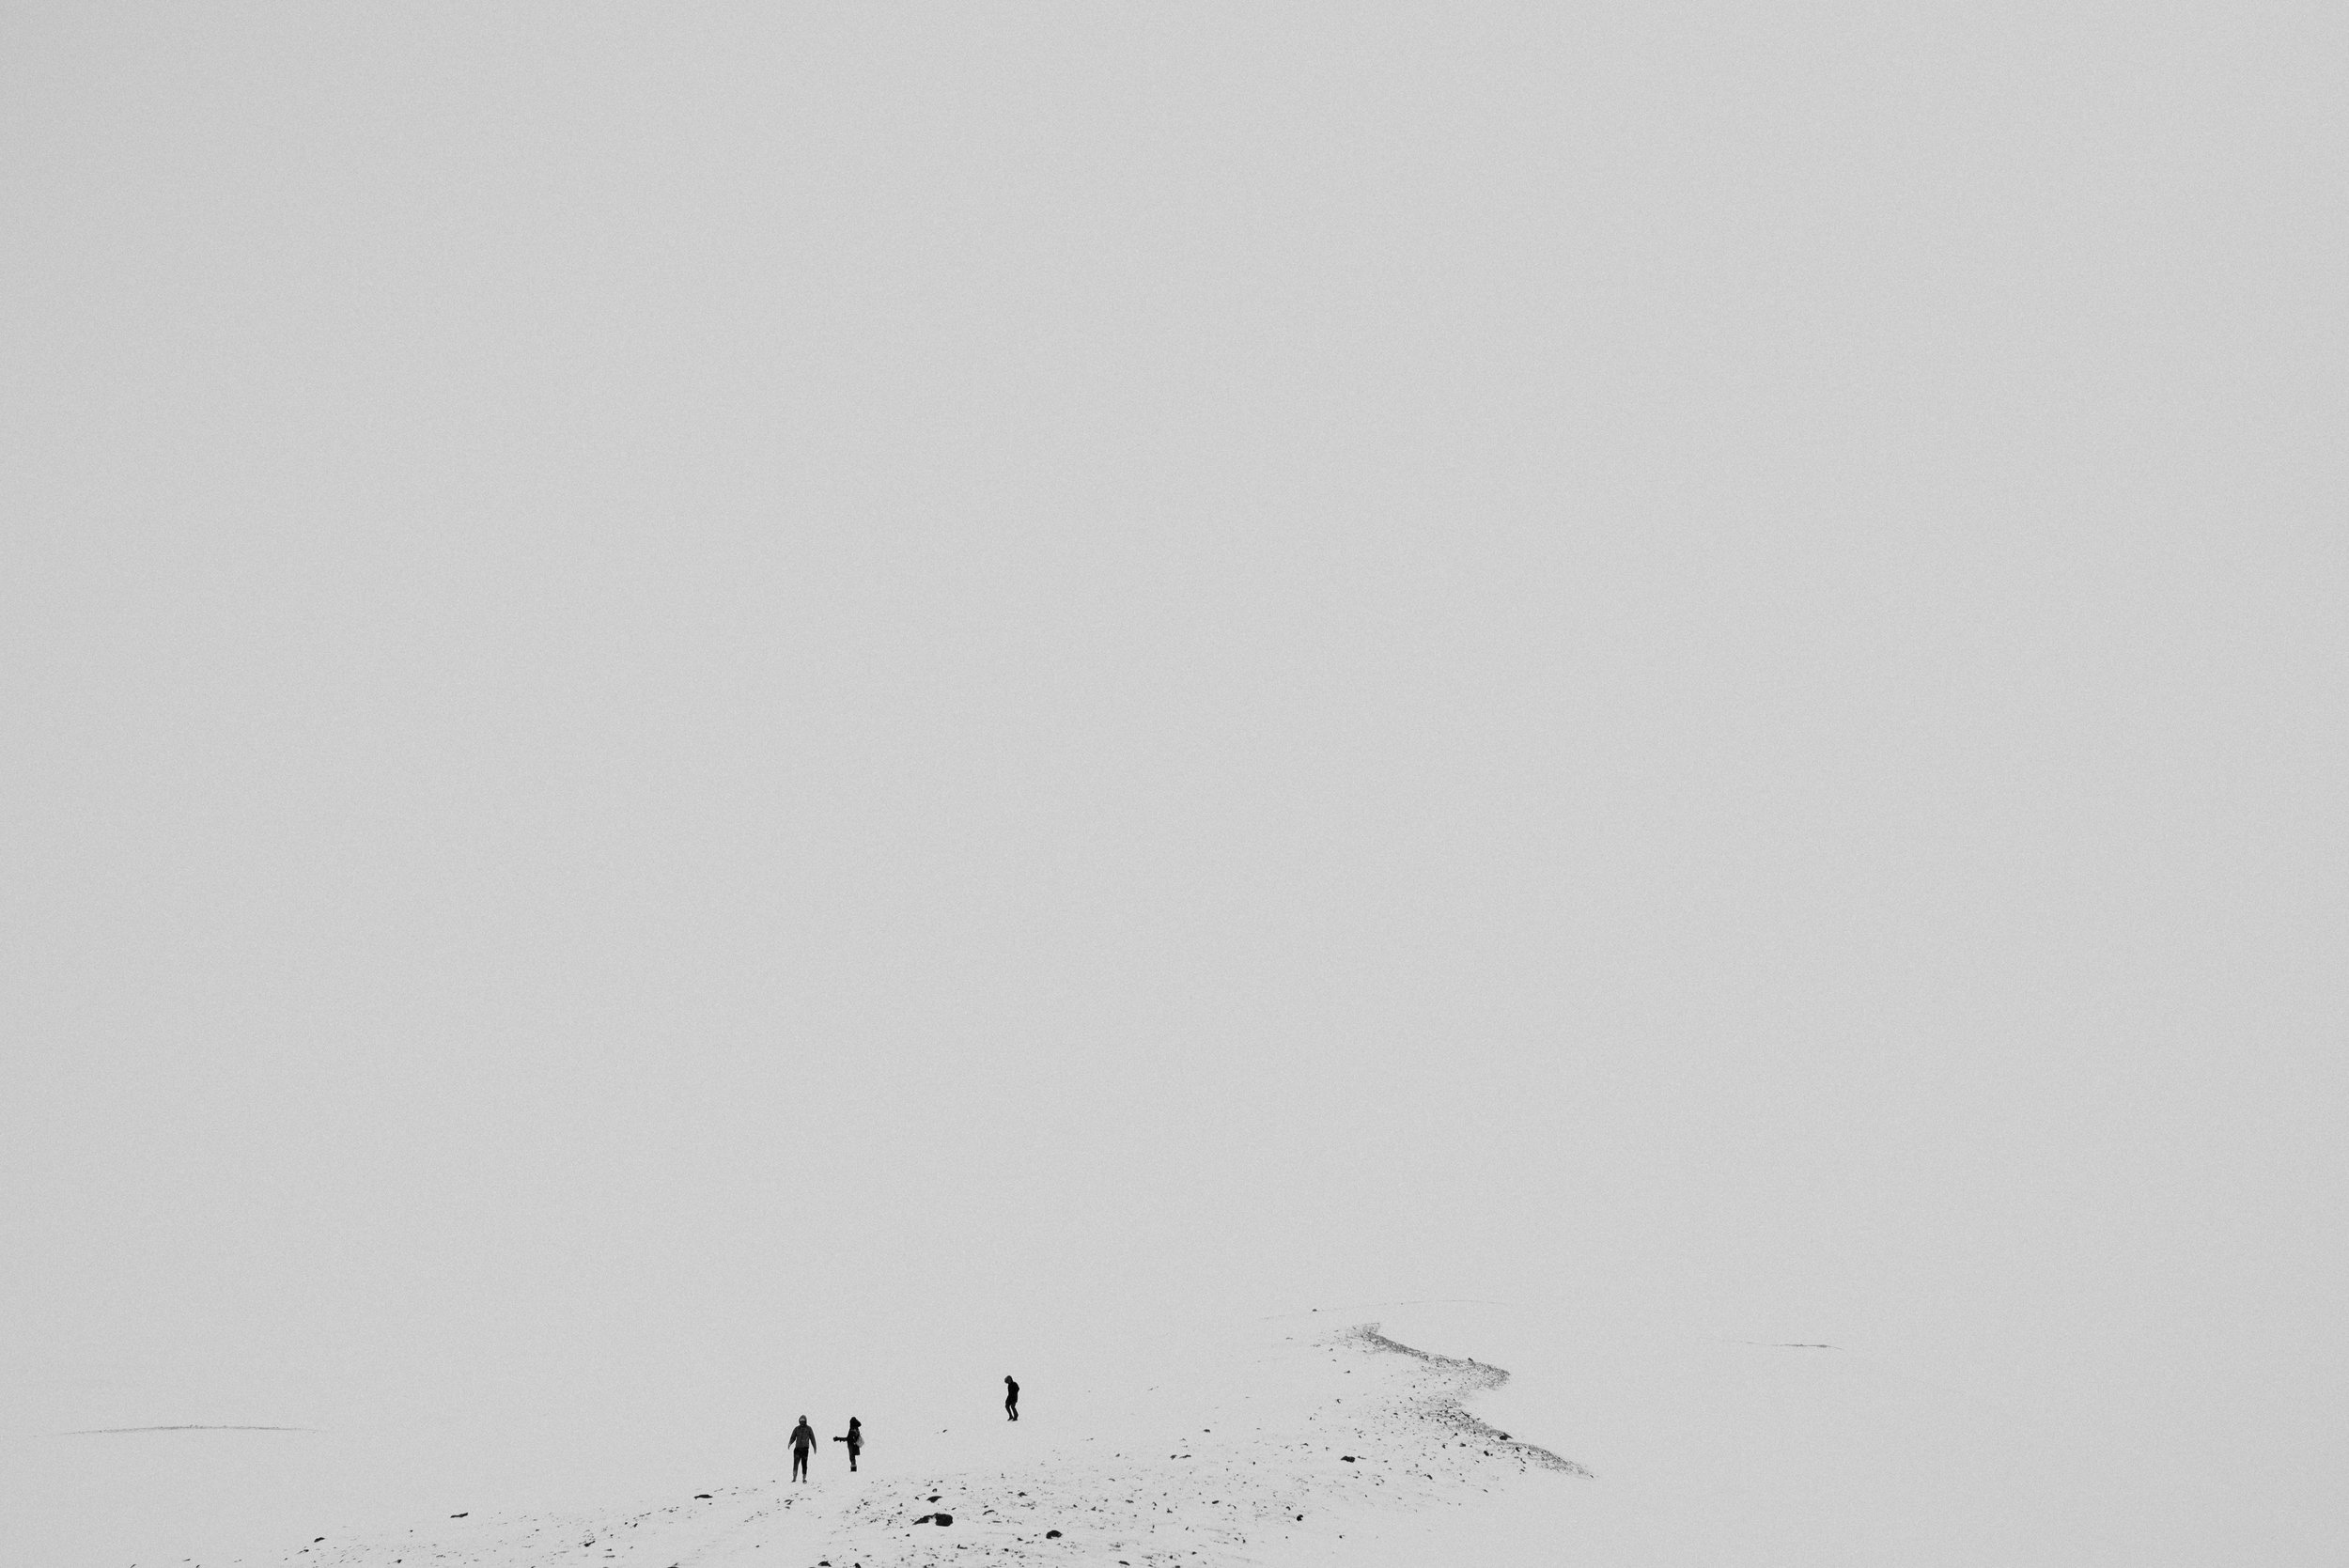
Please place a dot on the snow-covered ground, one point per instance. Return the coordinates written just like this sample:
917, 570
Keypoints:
1313, 1437
1300, 1439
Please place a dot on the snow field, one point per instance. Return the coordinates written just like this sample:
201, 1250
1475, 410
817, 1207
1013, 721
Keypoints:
1271, 1445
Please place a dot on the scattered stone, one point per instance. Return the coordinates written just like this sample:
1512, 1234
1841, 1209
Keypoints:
1051, 1535
1347, 1457
935, 1519
701, 1497
460, 1515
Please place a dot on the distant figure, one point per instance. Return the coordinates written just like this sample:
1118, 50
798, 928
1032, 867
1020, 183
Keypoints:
802, 1444
855, 1440
1011, 1399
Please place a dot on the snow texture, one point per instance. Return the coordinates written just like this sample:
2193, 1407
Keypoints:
1314, 1441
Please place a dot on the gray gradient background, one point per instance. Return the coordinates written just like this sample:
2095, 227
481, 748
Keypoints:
672, 670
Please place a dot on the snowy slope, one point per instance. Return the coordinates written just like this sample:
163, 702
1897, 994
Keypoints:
1371, 1434
1285, 1442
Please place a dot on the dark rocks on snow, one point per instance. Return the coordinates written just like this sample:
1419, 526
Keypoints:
935, 1519
1051, 1535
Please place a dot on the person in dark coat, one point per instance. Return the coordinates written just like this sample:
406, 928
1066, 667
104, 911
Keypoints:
1011, 1400
855, 1440
802, 1444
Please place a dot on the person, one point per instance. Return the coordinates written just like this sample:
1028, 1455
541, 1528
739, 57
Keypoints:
1011, 1400
803, 1443
855, 1440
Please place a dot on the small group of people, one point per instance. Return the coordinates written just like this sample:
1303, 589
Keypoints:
803, 1444
803, 1436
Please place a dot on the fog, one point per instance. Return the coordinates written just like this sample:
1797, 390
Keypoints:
690, 687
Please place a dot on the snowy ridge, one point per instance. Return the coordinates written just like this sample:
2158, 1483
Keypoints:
1304, 1454
1475, 1376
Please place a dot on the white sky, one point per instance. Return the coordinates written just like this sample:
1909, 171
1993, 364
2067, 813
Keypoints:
673, 673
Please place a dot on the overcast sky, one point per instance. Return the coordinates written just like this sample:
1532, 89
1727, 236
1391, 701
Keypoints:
671, 667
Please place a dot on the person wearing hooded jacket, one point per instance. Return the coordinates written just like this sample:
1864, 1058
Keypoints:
802, 1444
855, 1440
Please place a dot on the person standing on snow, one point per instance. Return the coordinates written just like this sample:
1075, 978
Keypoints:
855, 1440
802, 1444
1011, 1400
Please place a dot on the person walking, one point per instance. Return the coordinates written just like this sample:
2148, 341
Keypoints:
802, 1444
855, 1440
1011, 1400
